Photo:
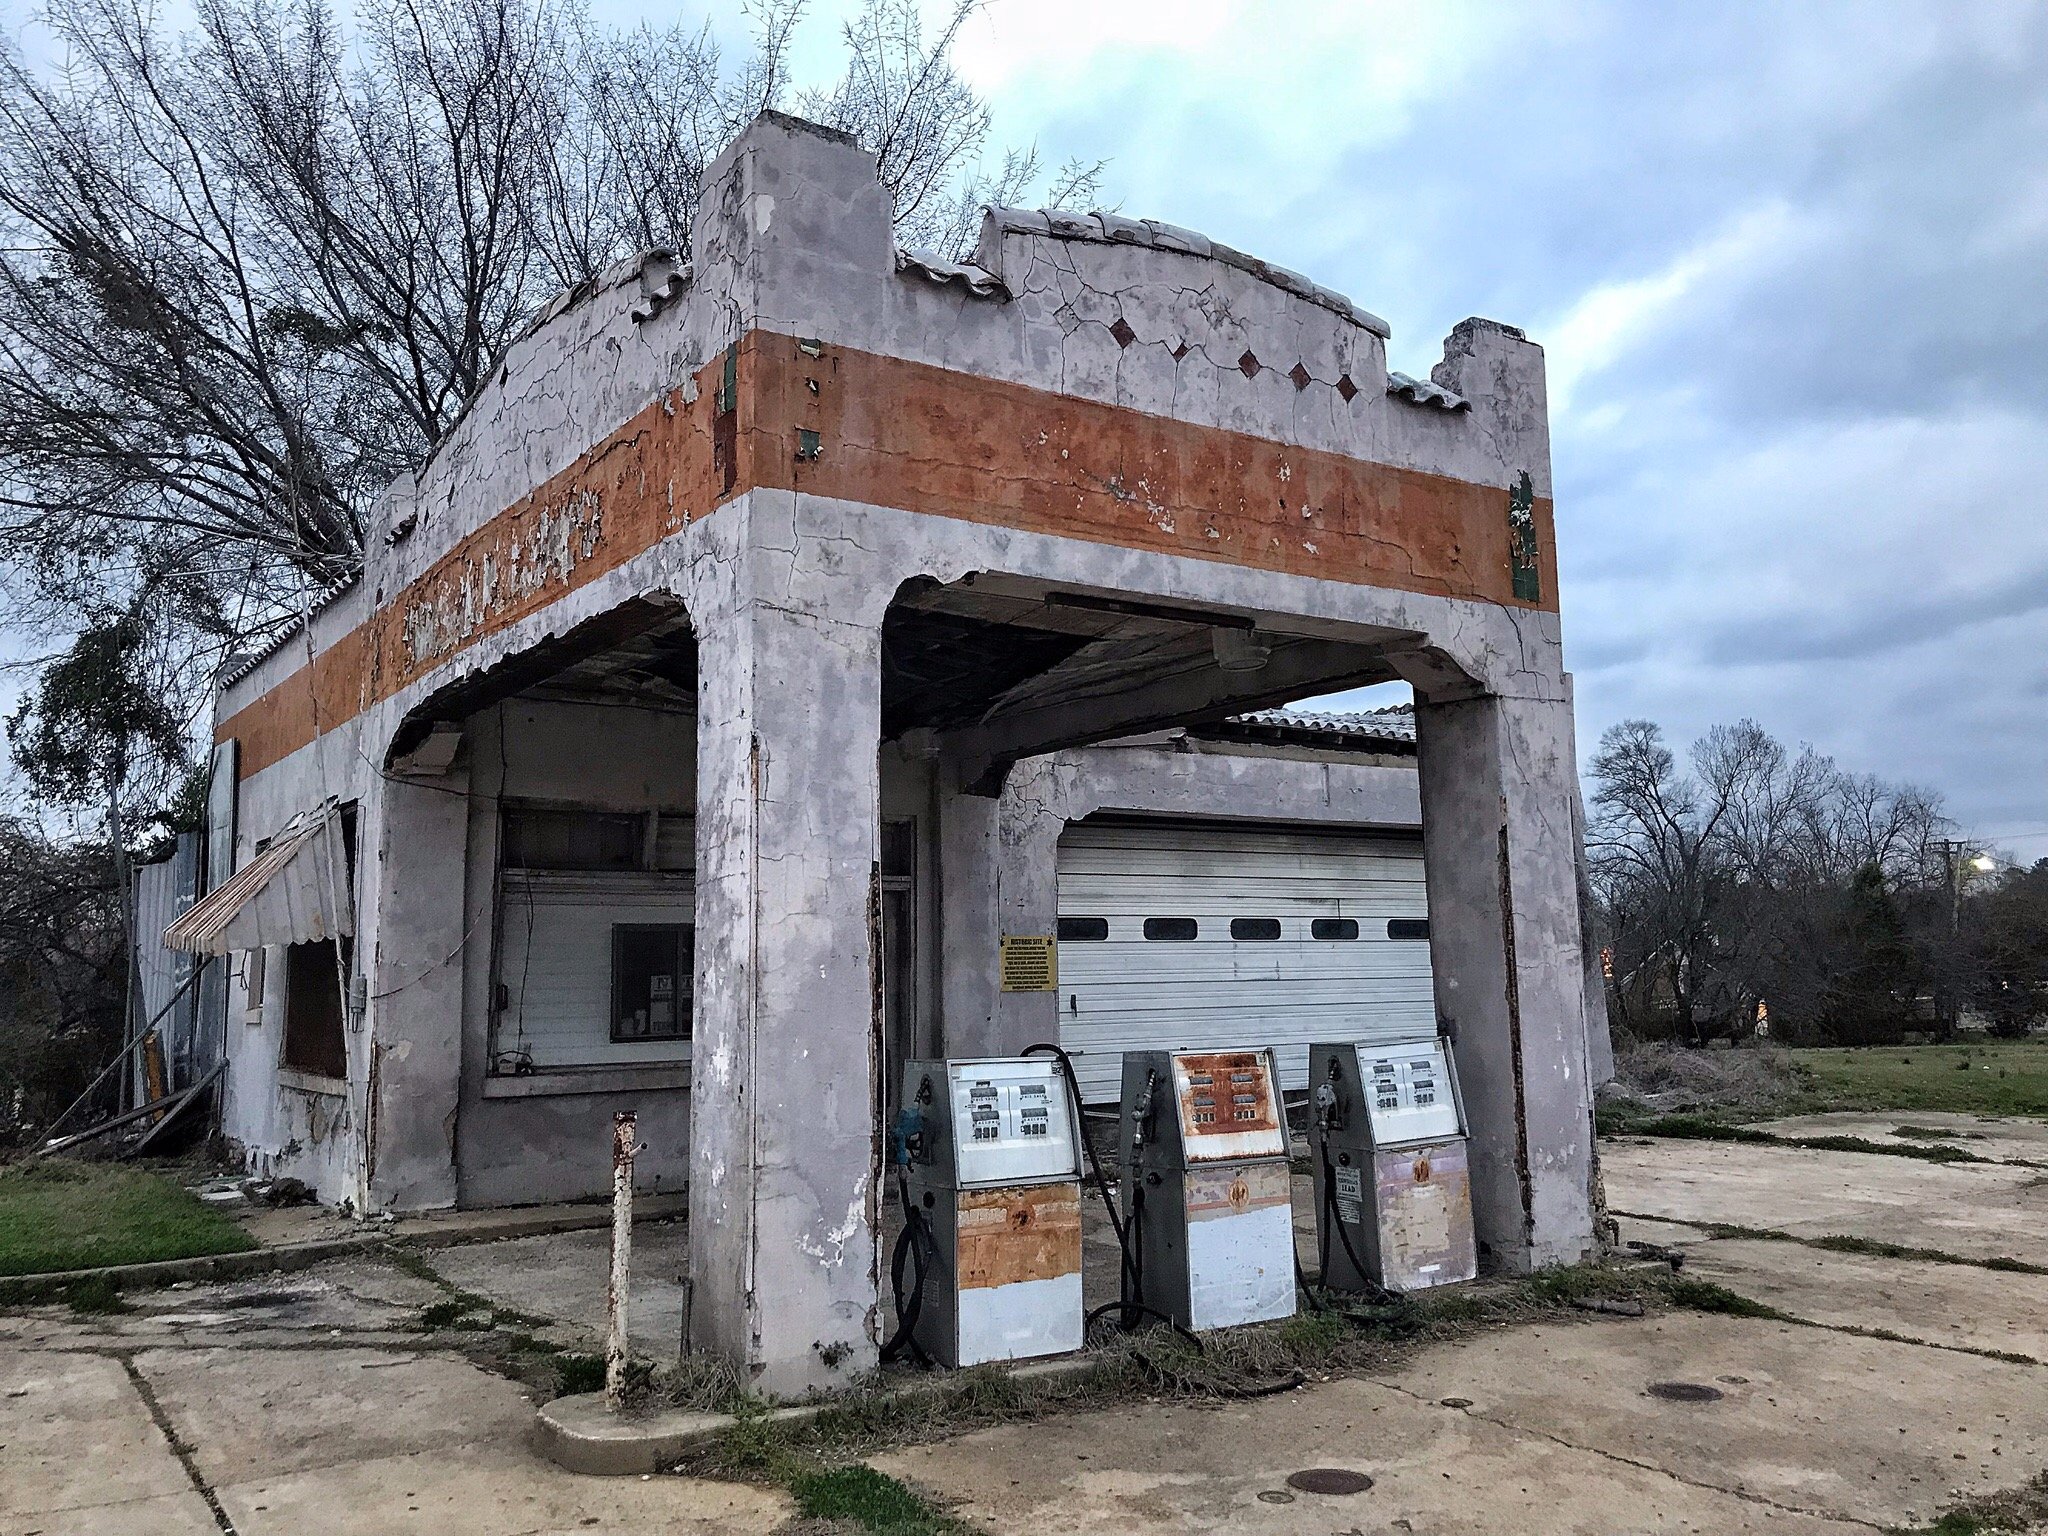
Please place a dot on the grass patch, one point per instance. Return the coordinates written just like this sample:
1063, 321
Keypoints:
95, 1296
1706, 1296
871, 1500
1990, 1077
58, 1215
2024, 1508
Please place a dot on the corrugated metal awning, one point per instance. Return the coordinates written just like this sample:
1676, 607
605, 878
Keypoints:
294, 892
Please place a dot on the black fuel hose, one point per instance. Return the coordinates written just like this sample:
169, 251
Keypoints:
1328, 1219
1130, 1273
916, 1245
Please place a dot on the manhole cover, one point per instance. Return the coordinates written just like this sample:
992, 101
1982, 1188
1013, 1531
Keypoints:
1454, 1402
1330, 1480
1275, 1496
1685, 1392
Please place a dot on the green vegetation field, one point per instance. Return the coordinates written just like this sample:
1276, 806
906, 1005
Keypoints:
56, 1215
1997, 1077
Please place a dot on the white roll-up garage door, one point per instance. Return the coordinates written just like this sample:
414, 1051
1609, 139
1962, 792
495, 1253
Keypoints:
1184, 935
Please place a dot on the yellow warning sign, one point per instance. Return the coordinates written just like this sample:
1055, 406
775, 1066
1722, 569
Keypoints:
1031, 963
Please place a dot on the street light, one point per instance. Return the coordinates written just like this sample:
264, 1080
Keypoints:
1983, 863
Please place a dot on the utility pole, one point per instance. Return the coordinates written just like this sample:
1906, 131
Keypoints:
1953, 851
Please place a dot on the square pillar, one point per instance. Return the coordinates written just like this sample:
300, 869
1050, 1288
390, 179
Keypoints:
784, 1137
415, 979
1499, 788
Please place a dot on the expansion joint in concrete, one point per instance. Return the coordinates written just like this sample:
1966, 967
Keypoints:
179, 1447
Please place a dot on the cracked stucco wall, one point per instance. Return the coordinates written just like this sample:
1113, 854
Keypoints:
787, 591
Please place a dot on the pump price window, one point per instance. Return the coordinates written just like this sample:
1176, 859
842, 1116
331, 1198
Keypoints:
1409, 1094
1228, 1104
1011, 1121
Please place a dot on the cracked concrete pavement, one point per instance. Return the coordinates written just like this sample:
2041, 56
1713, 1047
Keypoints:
1555, 1429
311, 1403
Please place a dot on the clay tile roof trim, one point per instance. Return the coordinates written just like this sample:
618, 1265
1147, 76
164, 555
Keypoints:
1112, 228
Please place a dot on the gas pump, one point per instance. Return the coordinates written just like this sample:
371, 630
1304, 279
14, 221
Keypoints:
988, 1152
1206, 1187
1393, 1187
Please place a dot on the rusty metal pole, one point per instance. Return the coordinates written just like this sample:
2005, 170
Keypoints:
615, 1347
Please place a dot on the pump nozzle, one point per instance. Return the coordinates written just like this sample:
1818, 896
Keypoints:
907, 1136
1141, 1113
1326, 1106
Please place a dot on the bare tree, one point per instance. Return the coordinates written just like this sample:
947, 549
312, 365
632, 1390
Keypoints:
1752, 873
250, 273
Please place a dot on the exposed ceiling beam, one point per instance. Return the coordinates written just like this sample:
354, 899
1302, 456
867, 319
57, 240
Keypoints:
984, 752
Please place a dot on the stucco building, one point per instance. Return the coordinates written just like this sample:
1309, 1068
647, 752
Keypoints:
720, 694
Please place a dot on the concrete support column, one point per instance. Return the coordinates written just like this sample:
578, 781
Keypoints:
1499, 786
415, 976
999, 863
968, 926
784, 1139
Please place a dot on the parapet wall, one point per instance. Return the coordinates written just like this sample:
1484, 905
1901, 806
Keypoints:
1099, 378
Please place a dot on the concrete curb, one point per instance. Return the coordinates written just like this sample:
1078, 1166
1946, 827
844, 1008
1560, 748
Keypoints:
580, 1435
283, 1258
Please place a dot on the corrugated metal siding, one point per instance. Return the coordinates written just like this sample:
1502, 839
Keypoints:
555, 960
294, 892
162, 891
1130, 993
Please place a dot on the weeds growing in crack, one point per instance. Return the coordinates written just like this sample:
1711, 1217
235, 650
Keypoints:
500, 1339
1837, 1242
881, 1413
2024, 1508
95, 1296
1687, 1127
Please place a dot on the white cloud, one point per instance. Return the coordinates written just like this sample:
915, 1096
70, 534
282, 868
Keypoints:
1611, 318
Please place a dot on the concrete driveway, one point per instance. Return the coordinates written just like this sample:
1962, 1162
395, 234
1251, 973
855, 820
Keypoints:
313, 1403
1774, 1427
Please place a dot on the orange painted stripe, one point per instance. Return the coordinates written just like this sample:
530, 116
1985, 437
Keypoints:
893, 433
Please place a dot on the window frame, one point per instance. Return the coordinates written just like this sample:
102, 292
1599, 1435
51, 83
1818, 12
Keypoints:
315, 1077
685, 940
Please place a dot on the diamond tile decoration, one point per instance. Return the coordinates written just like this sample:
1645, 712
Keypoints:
1181, 351
1347, 389
1122, 332
1248, 365
1300, 375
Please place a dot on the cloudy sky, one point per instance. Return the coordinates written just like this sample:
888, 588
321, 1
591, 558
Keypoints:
1789, 265
1790, 268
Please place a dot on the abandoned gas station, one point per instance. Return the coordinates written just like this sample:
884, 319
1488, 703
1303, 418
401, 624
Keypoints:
793, 625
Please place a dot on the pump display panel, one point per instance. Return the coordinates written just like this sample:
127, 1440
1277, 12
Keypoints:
1013, 1122
1409, 1096
1229, 1106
